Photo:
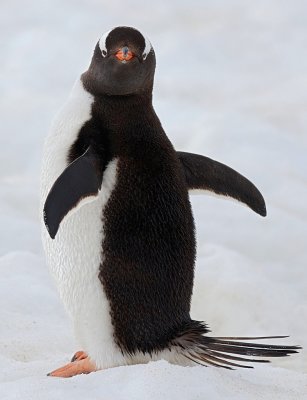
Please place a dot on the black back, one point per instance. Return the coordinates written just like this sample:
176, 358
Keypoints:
149, 244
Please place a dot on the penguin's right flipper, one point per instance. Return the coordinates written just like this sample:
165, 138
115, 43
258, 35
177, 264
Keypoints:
80, 181
203, 173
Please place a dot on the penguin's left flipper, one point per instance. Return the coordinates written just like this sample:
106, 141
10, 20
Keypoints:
79, 183
203, 173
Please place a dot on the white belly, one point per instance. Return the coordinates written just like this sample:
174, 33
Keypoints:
74, 258
75, 255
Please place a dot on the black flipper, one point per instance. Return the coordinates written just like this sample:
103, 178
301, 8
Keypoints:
82, 178
206, 174
224, 352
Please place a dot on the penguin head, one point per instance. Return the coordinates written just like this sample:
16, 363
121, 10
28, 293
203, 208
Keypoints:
123, 64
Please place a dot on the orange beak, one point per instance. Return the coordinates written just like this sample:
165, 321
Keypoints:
124, 54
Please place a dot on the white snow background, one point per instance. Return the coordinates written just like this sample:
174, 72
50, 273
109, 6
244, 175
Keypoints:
231, 83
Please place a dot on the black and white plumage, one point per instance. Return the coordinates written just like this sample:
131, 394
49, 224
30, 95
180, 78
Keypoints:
121, 243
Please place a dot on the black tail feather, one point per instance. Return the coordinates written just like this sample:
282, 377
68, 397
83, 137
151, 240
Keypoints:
256, 345
235, 358
224, 352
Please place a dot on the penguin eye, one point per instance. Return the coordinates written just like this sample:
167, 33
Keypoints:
104, 53
144, 56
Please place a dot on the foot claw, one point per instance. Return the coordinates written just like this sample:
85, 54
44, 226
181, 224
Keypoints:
79, 355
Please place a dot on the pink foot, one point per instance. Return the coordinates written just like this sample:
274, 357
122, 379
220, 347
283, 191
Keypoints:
83, 366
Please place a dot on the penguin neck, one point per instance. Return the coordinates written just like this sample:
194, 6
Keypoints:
130, 124
122, 104
122, 110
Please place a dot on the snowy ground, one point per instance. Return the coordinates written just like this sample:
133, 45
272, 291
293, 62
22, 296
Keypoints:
231, 84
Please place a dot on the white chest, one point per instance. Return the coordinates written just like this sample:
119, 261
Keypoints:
75, 255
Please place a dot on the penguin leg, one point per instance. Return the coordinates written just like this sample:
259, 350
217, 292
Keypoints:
84, 366
79, 355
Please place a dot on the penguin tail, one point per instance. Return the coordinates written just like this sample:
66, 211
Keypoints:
227, 352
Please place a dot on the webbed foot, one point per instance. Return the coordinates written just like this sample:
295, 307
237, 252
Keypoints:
79, 366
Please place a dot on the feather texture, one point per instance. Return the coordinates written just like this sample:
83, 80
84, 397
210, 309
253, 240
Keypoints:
227, 352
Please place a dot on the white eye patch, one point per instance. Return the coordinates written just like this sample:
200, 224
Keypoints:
147, 49
102, 43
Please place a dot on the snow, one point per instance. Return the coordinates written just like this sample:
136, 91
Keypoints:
230, 84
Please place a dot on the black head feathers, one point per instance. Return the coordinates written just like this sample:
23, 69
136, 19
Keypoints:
123, 64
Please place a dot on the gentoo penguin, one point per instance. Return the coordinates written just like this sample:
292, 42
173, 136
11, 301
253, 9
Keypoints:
120, 237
